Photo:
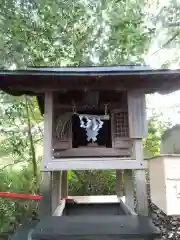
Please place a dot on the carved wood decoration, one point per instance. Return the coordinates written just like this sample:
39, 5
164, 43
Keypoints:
62, 130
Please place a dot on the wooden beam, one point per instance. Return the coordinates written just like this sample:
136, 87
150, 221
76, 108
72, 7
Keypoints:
126, 208
92, 151
60, 208
94, 163
71, 86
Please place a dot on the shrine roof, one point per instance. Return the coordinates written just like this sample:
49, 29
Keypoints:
88, 71
35, 80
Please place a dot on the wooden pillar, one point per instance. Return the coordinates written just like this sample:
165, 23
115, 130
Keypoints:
46, 190
141, 192
119, 184
140, 180
64, 184
56, 189
128, 188
138, 131
46, 186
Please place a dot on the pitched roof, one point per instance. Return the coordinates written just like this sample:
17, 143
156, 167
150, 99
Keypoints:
37, 79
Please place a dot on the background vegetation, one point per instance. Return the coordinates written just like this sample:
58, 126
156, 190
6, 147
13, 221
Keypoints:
76, 33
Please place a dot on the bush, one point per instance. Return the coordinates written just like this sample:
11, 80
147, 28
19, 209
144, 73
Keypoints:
13, 211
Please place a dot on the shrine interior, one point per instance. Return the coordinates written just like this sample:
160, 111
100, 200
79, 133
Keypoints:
79, 138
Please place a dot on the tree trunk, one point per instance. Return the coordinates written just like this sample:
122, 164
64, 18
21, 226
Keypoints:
32, 148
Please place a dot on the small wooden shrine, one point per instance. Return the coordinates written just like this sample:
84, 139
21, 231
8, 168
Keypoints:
94, 118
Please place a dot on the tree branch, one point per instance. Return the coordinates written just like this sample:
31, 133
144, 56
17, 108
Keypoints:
30, 106
32, 148
11, 164
167, 43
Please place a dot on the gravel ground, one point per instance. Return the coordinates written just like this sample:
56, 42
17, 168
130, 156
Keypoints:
169, 226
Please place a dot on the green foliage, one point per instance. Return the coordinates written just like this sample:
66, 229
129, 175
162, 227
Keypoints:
65, 32
20, 131
155, 130
13, 211
163, 17
92, 183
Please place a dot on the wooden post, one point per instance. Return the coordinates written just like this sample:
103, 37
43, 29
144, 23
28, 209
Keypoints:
141, 192
137, 131
119, 185
140, 179
128, 188
46, 188
64, 184
56, 189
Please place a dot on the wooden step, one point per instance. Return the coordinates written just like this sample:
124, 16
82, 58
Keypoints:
95, 227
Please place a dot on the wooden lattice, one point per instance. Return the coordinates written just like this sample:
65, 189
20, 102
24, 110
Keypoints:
121, 126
